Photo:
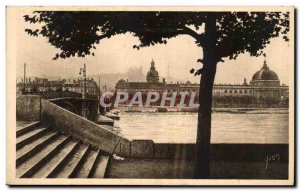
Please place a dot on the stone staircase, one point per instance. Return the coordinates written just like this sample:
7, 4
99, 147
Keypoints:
43, 153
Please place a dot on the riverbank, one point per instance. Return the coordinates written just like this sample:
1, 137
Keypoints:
253, 110
155, 109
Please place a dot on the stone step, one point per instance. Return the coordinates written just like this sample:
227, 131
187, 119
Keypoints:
30, 136
30, 166
57, 161
36, 146
24, 127
73, 164
100, 166
88, 164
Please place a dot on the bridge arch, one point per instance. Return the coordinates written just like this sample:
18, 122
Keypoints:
68, 106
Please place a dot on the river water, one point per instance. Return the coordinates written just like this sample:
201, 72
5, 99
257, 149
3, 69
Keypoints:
180, 127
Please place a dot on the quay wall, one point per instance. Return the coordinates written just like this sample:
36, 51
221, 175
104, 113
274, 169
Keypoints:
219, 152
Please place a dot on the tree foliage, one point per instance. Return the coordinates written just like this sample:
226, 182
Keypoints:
78, 33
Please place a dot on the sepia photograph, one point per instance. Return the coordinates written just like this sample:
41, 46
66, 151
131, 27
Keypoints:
150, 95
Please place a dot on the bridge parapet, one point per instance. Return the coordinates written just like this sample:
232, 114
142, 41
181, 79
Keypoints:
28, 108
87, 131
55, 94
60, 94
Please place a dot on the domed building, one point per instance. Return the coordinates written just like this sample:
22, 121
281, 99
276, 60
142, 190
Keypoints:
122, 81
152, 83
266, 84
265, 77
152, 75
264, 89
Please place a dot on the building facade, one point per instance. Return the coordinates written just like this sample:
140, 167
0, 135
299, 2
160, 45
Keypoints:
44, 85
264, 89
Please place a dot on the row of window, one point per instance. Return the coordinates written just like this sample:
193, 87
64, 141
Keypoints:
193, 90
233, 91
153, 90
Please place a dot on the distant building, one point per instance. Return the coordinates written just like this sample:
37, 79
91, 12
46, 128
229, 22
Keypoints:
135, 74
264, 89
45, 85
78, 86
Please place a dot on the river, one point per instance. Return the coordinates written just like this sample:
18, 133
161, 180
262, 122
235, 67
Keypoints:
180, 127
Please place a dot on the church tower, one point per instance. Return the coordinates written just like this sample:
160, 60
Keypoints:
152, 75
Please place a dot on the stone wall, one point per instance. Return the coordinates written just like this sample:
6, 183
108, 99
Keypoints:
28, 107
78, 127
219, 152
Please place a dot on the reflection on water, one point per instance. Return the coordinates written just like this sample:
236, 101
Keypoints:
178, 127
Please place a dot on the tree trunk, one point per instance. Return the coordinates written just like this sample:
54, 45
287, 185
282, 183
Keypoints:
202, 153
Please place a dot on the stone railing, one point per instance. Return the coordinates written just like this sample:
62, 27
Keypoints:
54, 94
78, 127
219, 152
28, 108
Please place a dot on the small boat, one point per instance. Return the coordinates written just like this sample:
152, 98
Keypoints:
152, 110
115, 111
149, 110
189, 109
162, 109
112, 116
134, 109
102, 120
172, 109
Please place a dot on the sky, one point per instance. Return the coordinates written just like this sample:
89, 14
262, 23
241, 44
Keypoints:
116, 55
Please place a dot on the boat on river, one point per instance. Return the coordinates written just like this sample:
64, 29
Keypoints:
112, 116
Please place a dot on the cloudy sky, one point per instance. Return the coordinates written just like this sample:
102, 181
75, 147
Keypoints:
117, 55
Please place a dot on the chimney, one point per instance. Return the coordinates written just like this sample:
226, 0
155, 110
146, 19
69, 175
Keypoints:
164, 80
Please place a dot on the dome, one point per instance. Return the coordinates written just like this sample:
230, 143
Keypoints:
265, 74
121, 81
152, 73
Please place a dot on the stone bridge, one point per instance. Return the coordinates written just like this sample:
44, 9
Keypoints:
72, 101
79, 106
